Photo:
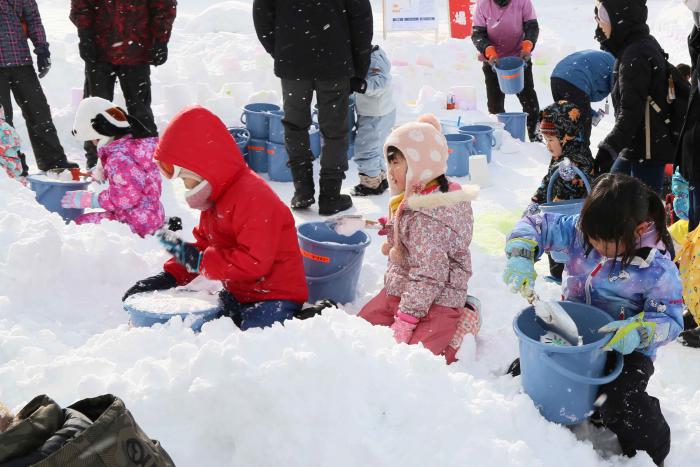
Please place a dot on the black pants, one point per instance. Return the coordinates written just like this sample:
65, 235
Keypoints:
562, 90
555, 269
632, 414
135, 81
332, 98
527, 97
23, 82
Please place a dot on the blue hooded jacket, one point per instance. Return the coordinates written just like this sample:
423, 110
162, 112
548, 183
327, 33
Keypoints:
650, 283
589, 70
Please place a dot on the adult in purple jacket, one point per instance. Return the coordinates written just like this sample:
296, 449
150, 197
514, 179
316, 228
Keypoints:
508, 28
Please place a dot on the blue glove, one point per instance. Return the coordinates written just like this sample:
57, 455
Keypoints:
630, 334
184, 253
520, 274
679, 186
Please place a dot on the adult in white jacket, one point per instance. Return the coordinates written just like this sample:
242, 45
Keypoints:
376, 115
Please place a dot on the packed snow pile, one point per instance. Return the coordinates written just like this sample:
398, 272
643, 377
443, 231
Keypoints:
332, 390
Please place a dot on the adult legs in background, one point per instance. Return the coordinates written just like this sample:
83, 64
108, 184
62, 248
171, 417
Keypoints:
135, 81
563, 90
29, 95
651, 173
495, 99
297, 95
100, 78
528, 99
5, 97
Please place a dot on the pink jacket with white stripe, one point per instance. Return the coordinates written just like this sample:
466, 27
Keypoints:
133, 195
435, 231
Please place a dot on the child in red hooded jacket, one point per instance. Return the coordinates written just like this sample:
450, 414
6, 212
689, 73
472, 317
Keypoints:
246, 236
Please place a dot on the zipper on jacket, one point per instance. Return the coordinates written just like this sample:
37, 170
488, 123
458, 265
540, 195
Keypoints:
590, 277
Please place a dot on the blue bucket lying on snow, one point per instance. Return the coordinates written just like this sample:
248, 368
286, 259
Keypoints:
49, 193
484, 140
563, 382
460, 147
141, 317
242, 136
511, 74
278, 163
256, 118
515, 122
257, 155
332, 262
276, 127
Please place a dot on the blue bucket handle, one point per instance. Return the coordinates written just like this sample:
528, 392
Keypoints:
555, 175
243, 119
546, 358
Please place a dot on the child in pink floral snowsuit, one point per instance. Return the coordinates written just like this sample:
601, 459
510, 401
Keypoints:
10, 151
126, 163
424, 298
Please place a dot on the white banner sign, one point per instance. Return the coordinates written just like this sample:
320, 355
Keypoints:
410, 15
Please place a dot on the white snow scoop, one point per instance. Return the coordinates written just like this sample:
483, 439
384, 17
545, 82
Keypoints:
349, 224
555, 318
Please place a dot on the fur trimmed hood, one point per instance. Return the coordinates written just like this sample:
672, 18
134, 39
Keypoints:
438, 199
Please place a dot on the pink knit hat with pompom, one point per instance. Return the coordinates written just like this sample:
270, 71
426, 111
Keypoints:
425, 149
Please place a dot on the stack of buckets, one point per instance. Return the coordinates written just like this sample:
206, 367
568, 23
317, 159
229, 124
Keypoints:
266, 150
511, 80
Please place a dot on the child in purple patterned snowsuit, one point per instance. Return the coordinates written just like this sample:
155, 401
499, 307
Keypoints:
125, 162
617, 259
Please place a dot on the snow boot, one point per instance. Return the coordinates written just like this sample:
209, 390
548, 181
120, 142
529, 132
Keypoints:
690, 338
330, 201
370, 186
689, 322
315, 309
514, 368
303, 175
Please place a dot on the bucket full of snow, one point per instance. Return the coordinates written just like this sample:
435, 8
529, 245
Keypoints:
256, 118
515, 123
563, 380
278, 163
194, 307
332, 262
276, 127
460, 148
49, 192
242, 136
511, 74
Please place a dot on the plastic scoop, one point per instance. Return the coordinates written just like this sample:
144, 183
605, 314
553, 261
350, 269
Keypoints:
348, 225
555, 318
75, 173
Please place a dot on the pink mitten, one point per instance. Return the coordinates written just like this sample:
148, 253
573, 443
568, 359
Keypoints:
79, 199
403, 327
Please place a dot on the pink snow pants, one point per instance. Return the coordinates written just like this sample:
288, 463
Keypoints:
435, 331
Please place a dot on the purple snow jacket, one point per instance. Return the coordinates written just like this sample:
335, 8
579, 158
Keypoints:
650, 283
133, 196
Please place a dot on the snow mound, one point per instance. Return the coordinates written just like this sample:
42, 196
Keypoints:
232, 16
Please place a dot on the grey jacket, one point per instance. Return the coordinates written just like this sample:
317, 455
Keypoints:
378, 100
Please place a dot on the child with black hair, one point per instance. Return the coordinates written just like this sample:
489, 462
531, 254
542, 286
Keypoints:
685, 70
424, 298
618, 261
126, 162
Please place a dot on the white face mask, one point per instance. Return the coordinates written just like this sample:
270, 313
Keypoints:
198, 197
692, 5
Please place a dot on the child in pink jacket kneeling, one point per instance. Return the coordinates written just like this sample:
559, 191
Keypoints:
125, 162
429, 230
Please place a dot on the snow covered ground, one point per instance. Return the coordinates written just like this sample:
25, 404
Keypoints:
327, 391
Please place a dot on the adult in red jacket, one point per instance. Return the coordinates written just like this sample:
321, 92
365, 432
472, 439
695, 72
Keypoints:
122, 39
246, 236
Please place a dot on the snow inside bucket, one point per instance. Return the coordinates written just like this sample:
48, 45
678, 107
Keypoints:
159, 307
242, 136
49, 192
332, 262
256, 118
563, 381
511, 74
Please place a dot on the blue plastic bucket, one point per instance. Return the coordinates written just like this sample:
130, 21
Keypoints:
49, 193
276, 127
515, 122
146, 319
449, 127
278, 163
511, 74
484, 140
460, 147
332, 262
315, 141
257, 155
242, 136
563, 382
256, 118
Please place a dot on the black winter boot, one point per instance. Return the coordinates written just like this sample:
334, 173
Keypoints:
303, 175
690, 338
689, 321
330, 201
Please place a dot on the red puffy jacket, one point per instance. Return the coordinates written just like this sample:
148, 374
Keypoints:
125, 30
248, 238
